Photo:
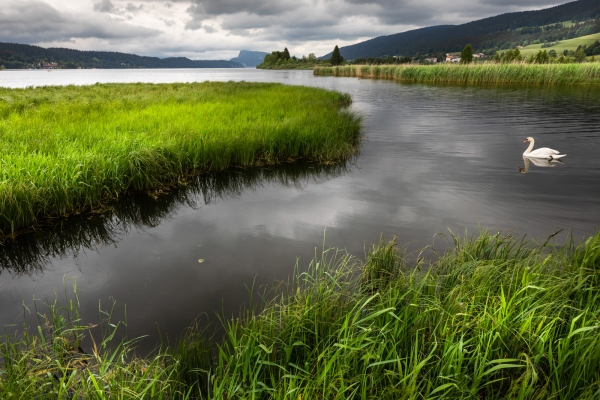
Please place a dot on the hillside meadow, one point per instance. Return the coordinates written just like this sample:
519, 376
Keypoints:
561, 46
69, 149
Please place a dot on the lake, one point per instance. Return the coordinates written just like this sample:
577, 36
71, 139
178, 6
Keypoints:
433, 158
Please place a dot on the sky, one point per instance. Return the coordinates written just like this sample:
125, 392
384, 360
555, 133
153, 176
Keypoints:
219, 29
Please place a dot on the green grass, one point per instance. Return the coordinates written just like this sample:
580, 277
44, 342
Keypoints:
67, 149
287, 66
570, 44
496, 317
482, 73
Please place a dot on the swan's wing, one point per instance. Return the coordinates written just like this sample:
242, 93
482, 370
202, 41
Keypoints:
542, 152
558, 156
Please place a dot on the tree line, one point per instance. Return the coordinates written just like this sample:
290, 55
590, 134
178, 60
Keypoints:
283, 60
24, 56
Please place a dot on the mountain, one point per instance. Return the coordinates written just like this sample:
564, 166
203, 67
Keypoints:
17, 56
501, 31
250, 58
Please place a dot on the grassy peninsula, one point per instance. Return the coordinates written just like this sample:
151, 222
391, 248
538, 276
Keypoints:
495, 318
480, 73
66, 149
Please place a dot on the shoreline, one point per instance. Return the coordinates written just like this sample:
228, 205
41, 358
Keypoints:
517, 73
499, 314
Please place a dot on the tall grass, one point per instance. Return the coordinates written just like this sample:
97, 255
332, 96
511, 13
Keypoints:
64, 149
481, 73
494, 318
50, 363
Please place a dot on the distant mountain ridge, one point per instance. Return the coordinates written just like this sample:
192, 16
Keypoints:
250, 58
18, 56
484, 33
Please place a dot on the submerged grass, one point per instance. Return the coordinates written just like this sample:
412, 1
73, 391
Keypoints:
64, 149
494, 318
481, 73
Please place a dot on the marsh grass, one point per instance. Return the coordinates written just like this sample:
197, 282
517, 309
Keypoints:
68, 149
480, 73
49, 362
496, 317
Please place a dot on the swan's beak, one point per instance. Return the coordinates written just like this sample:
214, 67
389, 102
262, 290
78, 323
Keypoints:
525, 141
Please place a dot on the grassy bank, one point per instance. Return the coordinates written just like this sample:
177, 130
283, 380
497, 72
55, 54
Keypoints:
494, 318
64, 149
286, 66
518, 73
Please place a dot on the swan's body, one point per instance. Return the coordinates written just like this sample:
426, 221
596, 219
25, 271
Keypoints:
543, 152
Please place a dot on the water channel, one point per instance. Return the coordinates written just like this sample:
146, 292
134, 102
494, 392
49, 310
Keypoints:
433, 158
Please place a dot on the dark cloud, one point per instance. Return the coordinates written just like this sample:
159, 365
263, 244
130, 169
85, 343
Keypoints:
169, 22
209, 29
35, 21
132, 8
104, 6
201, 10
258, 7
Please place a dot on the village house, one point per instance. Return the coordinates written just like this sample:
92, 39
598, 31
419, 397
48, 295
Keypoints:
452, 58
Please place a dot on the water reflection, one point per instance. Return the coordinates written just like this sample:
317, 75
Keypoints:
538, 162
32, 252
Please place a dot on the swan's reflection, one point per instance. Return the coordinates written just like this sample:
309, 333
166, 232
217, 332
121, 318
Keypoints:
538, 162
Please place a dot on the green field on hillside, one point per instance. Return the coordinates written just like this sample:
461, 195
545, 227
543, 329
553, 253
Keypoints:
570, 44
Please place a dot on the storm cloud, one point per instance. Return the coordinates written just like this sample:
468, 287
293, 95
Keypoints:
36, 21
218, 29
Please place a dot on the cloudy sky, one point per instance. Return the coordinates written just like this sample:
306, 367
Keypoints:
218, 29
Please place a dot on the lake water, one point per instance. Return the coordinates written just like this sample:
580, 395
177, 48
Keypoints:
433, 158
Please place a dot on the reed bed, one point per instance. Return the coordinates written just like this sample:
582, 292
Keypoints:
496, 317
66, 149
481, 73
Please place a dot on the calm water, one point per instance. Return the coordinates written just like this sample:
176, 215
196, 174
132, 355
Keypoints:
433, 158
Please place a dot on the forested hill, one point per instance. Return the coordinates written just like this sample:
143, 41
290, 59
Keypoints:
16, 56
501, 31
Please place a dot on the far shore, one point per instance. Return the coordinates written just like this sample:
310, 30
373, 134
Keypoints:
480, 73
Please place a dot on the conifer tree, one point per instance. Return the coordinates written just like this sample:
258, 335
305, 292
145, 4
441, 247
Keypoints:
466, 57
336, 57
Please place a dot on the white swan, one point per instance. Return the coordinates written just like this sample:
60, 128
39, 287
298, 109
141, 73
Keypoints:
542, 152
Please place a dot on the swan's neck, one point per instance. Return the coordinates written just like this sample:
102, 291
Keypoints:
530, 147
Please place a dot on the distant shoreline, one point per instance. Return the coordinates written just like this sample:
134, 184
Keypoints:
485, 73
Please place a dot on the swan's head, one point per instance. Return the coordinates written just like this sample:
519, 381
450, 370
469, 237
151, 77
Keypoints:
529, 139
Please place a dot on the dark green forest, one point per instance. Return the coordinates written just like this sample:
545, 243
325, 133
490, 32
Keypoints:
19, 56
501, 32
